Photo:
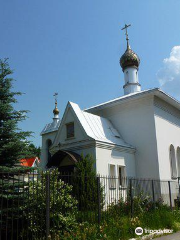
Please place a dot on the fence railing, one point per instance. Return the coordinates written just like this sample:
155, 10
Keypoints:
29, 201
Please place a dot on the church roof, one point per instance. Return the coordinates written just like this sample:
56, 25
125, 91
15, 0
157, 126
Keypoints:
28, 162
137, 95
50, 127
98, 128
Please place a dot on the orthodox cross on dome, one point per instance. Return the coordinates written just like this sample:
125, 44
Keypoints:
56, 110
126, 33
55, 97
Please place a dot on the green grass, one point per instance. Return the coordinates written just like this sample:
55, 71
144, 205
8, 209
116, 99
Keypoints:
123, 227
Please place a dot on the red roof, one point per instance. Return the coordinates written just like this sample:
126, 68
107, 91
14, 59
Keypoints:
28, 162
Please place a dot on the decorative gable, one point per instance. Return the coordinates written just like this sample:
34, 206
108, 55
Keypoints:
78, 125
70, 129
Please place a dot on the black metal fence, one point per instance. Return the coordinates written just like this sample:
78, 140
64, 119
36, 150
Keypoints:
29, 201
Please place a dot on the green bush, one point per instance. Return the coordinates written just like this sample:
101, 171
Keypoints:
12, 200
122, 208
140, 204
62, 206
85, 186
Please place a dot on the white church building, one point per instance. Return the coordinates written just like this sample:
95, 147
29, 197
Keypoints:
135, 135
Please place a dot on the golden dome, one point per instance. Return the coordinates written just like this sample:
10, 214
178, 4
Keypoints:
129, 59
56, 110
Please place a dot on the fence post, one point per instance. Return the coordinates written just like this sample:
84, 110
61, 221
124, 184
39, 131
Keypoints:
131, 197
170, 199
47, 205
179, 192
99, 199
153, 195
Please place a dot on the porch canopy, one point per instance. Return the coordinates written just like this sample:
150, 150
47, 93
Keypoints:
64, 160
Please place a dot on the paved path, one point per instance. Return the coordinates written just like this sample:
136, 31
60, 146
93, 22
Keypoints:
174, 236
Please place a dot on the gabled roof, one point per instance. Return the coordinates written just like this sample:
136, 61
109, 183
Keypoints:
28, 162
50, 127
98, 128
155, 92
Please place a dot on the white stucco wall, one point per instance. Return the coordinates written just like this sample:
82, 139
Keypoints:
131, 80
135, 122
104, 157
167, 121
44, 148
86, 151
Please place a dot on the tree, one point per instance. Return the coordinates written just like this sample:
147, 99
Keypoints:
85, 185
36, 151
13, 147
13, 141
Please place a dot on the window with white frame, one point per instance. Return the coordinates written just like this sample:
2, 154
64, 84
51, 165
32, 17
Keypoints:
173, 162
178, 161
112, 176
70, 130
121, 176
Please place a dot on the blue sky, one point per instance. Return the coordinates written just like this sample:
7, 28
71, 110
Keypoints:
73, 48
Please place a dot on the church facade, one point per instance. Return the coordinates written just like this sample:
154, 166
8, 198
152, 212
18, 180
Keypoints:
135, 135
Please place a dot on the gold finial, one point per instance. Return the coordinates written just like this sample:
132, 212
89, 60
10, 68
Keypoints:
126, 33
56, 110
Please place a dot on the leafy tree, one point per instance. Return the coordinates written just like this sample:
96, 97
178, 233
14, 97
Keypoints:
13, 141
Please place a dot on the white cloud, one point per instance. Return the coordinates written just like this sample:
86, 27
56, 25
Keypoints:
169, 75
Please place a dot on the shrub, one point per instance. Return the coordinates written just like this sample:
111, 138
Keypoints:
122, 208
85, 186
12, 199
62, 206
141, 204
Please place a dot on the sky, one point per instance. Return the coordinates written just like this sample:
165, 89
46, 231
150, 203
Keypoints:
73, 48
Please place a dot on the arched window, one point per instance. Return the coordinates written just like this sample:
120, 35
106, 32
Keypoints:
136, 76
127, 77
173, 162
48, 145
178, 160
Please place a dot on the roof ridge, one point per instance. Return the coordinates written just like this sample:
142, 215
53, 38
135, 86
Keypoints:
121, 98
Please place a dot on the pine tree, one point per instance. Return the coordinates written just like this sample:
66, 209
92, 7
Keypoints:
85, 185
13, 141
13, 147
36, 151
